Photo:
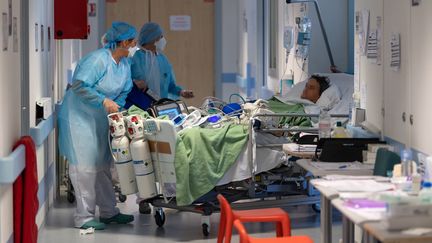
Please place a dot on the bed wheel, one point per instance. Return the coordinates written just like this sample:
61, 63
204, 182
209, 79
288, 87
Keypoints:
122, 198
159, 217
316, 207
205, 229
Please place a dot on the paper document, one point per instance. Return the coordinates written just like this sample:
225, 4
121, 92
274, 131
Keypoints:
353, 177
356, 185
341, 166
299, 147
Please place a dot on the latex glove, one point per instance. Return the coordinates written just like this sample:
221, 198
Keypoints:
110, 106
186, 94
141, 84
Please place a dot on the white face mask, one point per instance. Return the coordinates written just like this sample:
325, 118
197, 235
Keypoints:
132, 51
160, 44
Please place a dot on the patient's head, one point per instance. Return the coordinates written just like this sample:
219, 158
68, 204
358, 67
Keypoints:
315, 87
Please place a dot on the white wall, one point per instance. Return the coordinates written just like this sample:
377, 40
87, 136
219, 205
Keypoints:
334, 14
242, 34
10, 124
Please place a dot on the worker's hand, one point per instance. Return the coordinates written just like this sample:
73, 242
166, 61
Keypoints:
186, 94
141, 84
110, 106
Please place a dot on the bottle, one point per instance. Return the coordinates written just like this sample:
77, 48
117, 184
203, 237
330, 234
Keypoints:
416, 183
425, 193
324, 124
304, 37
339, 131
406, 163
355, 103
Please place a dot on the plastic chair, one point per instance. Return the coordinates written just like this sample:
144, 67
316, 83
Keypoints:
385, 160
245, 238
277, 215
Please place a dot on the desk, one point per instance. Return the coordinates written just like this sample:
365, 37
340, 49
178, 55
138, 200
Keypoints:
307, 165
377, 231
349, 219
327, 194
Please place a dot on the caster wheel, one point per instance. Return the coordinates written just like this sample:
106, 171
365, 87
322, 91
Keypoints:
316, 207
122, 198
205, 229
159, 217
70, 197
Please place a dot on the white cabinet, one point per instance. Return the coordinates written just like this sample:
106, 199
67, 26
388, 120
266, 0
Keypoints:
407, 92
396, 98
421, 77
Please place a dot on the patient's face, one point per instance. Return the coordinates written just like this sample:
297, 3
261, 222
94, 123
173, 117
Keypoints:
311, 91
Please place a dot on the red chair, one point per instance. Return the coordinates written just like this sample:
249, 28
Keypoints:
277, 215
245, 238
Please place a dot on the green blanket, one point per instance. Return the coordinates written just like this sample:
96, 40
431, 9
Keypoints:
203, 156
278, 106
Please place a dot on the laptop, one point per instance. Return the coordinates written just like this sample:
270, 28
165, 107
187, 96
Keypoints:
343, 149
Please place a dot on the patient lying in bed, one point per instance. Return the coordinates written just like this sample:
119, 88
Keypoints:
315, 87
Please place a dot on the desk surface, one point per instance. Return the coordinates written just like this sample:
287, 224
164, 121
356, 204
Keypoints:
328, 192
352, 215
307, 165
378, 231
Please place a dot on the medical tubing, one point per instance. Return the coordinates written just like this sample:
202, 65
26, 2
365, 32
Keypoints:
238, 95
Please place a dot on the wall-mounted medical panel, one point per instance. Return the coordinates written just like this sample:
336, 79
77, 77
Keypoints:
70, 19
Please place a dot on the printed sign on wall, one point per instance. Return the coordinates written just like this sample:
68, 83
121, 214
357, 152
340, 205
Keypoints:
180, 22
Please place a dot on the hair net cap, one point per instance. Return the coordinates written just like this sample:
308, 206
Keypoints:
149, 32
119, 31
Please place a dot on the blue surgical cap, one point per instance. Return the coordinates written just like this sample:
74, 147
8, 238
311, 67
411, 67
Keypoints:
119, 31
149, 32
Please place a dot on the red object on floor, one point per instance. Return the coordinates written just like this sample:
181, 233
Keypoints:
25, 200
245, 238
228, 216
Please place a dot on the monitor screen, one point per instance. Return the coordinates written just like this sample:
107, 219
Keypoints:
171, 112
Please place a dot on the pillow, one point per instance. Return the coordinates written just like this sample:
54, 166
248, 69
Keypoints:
329, 98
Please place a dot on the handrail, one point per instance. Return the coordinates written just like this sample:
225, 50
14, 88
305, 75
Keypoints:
12, 165
40, 133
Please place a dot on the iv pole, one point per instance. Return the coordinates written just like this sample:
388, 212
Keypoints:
333, 67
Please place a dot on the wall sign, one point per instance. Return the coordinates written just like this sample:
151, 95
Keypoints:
180, 22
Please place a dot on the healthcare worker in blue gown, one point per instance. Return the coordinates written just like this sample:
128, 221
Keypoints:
101, 82
153, 74
151, 71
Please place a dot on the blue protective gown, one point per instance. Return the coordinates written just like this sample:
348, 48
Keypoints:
82, 119
162, 82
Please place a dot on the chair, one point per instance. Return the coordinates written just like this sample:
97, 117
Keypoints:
245, 238
385, 160
277, 215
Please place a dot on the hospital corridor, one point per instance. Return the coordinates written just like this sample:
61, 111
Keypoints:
294, 121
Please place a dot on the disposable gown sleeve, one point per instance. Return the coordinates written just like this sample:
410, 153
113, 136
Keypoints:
137, 67
87, 93
173, 88
121, 99
89, 71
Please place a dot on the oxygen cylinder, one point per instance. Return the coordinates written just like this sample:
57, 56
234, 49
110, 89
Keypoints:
143, 167
124, 165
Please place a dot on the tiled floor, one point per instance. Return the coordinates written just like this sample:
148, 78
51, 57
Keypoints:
179, 226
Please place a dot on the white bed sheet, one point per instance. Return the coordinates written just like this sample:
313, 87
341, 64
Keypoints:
266, 159
345, 83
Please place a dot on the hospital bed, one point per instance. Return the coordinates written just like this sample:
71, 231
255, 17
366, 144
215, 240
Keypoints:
263, 174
